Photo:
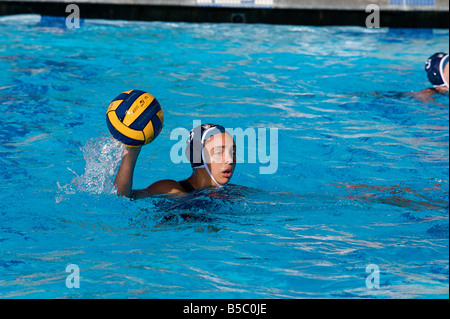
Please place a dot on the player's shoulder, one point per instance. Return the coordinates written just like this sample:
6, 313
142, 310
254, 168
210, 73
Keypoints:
165, 186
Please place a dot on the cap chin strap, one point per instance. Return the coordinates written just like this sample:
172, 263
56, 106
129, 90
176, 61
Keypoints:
205, 165
445, 83
441, 70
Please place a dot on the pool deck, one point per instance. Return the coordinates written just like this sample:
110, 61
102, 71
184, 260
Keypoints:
393, 13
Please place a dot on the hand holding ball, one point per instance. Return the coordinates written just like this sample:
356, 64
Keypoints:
134, 118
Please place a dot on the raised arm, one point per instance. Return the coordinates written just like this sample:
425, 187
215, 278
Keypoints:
124, 177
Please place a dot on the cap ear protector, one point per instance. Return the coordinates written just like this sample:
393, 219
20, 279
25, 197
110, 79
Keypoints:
434, 67
195, 146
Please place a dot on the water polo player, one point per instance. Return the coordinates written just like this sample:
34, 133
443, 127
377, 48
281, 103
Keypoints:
438, 74
437, 71
211, 152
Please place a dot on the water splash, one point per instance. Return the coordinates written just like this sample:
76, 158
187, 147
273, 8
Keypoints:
103, 156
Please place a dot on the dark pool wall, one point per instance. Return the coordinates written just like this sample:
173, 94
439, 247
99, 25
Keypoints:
393, 13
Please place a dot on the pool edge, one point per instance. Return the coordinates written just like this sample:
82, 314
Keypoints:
200, 14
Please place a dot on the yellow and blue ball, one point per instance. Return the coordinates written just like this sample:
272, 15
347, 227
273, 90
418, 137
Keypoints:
134, 118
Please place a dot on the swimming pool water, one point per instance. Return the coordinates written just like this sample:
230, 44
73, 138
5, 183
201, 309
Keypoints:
362, 173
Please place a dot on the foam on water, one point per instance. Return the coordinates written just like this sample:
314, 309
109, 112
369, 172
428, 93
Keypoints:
103, 156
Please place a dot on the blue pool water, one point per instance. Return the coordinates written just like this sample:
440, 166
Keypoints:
362, 174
